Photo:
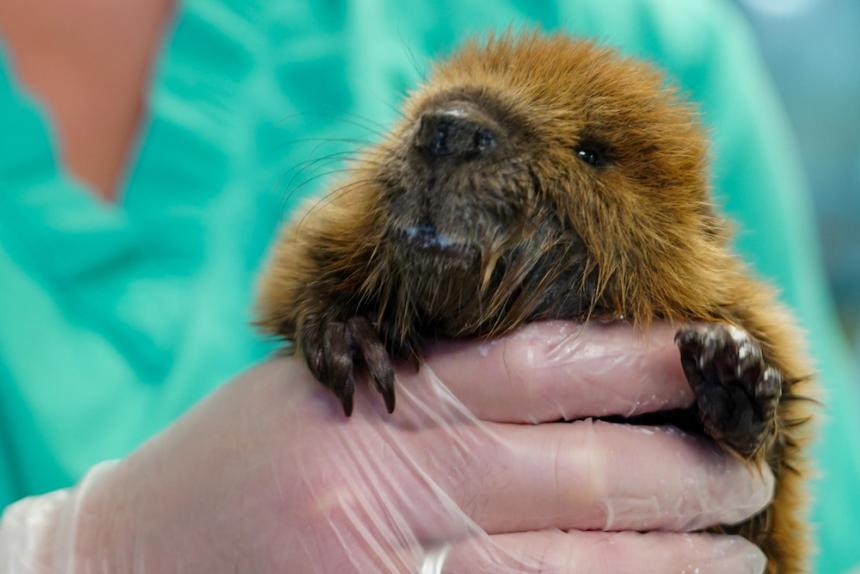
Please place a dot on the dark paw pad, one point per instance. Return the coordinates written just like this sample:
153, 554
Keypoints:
737, 393
332, 350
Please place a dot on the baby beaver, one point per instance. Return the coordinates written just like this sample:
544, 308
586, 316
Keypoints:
537, 178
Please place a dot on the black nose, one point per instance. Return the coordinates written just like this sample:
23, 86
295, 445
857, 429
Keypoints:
455, 131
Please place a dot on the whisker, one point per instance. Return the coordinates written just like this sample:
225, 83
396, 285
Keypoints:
330, 196
348, 118
421, 72
301, 167
347, 157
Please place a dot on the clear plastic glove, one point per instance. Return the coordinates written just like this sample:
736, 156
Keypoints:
266, 475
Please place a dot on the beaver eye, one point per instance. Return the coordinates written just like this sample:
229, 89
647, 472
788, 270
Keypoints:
593, 151
592, 155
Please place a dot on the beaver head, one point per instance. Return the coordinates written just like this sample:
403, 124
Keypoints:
535, 177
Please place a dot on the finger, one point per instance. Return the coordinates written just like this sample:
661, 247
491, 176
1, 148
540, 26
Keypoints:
433, 479
618, 553
560, 370
601, 476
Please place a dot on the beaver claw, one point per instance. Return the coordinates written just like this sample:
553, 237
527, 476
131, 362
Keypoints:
333, 348
737, 392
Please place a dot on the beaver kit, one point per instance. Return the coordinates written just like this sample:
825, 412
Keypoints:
534, 178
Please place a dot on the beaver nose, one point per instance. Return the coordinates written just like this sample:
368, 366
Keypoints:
455, 131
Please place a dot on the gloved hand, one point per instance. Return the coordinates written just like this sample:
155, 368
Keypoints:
266, 475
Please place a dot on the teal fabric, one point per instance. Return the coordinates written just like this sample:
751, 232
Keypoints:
114, 319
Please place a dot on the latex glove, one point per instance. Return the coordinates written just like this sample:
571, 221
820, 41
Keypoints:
266, 475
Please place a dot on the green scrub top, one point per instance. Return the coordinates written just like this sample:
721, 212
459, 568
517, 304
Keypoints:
114, 319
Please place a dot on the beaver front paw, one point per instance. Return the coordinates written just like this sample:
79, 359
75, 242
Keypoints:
737, 392
332, 350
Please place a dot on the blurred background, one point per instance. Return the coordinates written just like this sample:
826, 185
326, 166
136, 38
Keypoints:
812, 48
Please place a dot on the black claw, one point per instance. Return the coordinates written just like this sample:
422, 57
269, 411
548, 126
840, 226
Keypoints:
348, 394
346, 401
332, 350
388, 395
383, 379
375, 358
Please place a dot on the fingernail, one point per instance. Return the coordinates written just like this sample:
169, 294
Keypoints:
733, 554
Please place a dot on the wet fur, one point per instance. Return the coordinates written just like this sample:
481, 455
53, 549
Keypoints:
639, 238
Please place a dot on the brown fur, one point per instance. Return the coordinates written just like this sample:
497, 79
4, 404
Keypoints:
638, 238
